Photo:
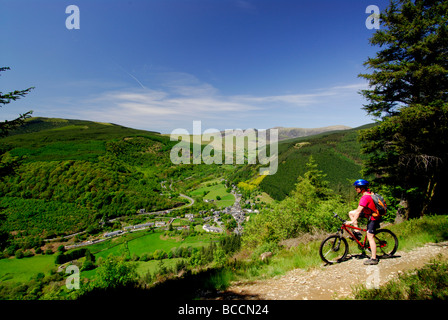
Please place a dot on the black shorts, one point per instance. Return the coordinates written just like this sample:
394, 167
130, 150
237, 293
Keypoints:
372, 225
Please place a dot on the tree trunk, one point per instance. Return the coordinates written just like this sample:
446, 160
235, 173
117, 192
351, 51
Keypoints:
430, 191
403, 211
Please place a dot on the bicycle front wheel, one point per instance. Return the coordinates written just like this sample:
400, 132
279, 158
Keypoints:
386, 243
334, 249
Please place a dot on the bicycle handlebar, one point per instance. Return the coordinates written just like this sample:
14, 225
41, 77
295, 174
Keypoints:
336, 216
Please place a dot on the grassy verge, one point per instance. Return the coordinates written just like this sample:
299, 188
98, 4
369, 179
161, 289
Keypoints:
427, 283
417, 232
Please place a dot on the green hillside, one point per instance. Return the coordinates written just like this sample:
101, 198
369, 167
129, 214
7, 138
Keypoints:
50, 139
337, 155
74, 173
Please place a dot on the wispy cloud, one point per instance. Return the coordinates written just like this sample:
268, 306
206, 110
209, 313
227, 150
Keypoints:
192, 102
307, 99
182, 98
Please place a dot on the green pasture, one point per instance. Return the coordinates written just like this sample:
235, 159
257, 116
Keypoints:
227, 199
180, 222
21, 270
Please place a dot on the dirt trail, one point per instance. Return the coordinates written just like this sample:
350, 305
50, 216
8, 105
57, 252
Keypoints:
334, 281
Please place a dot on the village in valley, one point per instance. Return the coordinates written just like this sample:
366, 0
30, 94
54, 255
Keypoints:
212, 221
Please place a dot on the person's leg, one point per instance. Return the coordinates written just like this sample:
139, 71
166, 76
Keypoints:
371, 238
371, 227
351, 214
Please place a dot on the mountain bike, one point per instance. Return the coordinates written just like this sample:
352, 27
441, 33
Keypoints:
334, 249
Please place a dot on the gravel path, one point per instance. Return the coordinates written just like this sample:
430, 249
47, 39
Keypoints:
334, 281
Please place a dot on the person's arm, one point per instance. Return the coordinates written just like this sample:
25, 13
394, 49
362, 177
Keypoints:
354, 214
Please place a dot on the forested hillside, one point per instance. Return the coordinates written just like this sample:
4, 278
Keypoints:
337, 154
74, 174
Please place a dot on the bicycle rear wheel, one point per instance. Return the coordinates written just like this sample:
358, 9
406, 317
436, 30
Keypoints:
386, 243
333, 249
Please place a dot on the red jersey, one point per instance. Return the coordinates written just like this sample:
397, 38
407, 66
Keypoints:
369, 206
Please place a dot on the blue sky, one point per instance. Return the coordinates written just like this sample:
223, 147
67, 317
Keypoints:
160, 64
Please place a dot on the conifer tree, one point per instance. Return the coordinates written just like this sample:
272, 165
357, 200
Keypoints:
316, 178
8, 163
408, 96
6, 98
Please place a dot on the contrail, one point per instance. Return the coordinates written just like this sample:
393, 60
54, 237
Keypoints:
141, 85
133, 77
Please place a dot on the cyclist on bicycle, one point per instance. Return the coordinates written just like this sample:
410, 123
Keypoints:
365, 208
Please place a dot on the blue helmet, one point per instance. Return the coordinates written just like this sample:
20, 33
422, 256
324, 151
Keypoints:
361, 183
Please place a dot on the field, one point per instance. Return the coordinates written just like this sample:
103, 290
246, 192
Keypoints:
213, 190
21, 270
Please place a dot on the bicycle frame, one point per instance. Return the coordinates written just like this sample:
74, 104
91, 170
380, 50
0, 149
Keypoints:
346, 228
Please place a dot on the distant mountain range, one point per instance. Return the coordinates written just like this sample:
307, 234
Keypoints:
292, 133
